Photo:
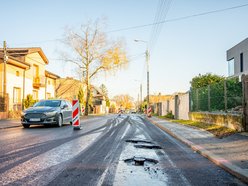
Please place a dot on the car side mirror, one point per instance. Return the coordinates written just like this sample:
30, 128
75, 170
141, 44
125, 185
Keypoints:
65, 106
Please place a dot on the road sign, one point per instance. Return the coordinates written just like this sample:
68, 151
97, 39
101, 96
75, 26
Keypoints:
149, 111
75, 114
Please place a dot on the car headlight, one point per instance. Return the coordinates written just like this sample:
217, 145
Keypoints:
23, 113
52, 113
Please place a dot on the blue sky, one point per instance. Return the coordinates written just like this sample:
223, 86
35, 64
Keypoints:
184, 48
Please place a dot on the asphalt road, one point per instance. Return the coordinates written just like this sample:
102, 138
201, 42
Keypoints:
111, 150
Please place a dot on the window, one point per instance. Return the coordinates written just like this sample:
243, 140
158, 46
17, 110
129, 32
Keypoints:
16, 95
48, 103
48, 95
35, 95
231, 67
36, 71
17, 73
241, 63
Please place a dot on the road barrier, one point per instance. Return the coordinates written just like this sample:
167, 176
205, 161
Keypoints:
82, 110
75, 115
149, 112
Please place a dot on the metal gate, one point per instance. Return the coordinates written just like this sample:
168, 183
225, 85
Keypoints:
245, 101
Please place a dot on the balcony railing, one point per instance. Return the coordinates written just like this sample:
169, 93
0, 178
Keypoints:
39, 81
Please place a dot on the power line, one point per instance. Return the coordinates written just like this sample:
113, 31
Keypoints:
179, 18
160, 10
156, 23
163, 9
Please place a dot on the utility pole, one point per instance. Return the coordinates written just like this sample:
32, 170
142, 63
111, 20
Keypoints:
4, 67
140, 97
137, 106
148, 84
147, 62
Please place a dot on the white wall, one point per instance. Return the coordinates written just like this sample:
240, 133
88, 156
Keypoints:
184, 106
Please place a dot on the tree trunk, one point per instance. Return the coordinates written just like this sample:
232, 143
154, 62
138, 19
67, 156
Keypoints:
87, 94
87, 101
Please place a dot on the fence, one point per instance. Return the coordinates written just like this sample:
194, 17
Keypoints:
3, 102
225, 96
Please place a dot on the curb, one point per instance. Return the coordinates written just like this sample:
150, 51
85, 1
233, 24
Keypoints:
8, 127
221, 162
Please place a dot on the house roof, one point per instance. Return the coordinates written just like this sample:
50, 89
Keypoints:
20, 52
67, 87
51, 75
14, 61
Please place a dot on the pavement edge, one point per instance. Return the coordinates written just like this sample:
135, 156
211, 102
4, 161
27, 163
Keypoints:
223, 163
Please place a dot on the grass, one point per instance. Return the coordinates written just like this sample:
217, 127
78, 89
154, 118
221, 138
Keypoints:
217, 130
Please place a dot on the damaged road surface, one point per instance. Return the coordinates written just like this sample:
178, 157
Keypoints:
111, 150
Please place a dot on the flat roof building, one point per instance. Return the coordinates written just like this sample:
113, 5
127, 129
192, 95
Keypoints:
237, 58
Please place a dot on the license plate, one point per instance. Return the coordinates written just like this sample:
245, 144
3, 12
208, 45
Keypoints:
34, 119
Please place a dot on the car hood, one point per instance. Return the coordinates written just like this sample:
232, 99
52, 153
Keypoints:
40, 109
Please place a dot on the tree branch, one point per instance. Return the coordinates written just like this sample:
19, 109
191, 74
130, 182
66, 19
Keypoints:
97, 70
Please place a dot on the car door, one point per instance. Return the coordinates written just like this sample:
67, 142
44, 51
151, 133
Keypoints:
64, 111
69, 111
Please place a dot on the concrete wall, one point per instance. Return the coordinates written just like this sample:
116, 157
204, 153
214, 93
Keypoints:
178, 104
232, 121
183, 106
172, 105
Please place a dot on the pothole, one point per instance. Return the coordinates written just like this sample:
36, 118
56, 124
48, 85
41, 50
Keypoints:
148, 146
138, 141
140, 161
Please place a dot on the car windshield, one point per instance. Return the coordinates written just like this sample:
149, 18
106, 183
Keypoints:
48, 103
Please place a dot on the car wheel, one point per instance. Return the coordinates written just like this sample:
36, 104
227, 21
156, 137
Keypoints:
60, 121
26, 125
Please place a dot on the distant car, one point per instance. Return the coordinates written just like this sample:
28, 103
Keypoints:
47, 112
133, 111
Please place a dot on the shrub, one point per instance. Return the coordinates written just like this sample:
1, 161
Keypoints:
169, 115
29, 101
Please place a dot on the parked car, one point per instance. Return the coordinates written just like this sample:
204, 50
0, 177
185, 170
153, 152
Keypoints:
45, 112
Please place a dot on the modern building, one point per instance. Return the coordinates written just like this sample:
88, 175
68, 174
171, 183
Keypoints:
25, 75
237, 58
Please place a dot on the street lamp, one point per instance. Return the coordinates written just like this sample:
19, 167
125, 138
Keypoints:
147, 63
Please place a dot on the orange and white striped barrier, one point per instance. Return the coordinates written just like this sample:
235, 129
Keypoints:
75, 114
149, 112
82, 110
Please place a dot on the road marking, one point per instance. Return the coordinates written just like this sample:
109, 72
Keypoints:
125, 132
185, 181
51, 158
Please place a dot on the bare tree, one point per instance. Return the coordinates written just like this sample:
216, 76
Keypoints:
124, 101
93, 53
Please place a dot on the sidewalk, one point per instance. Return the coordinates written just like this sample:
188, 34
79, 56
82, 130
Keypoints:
230, 153
10, 123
